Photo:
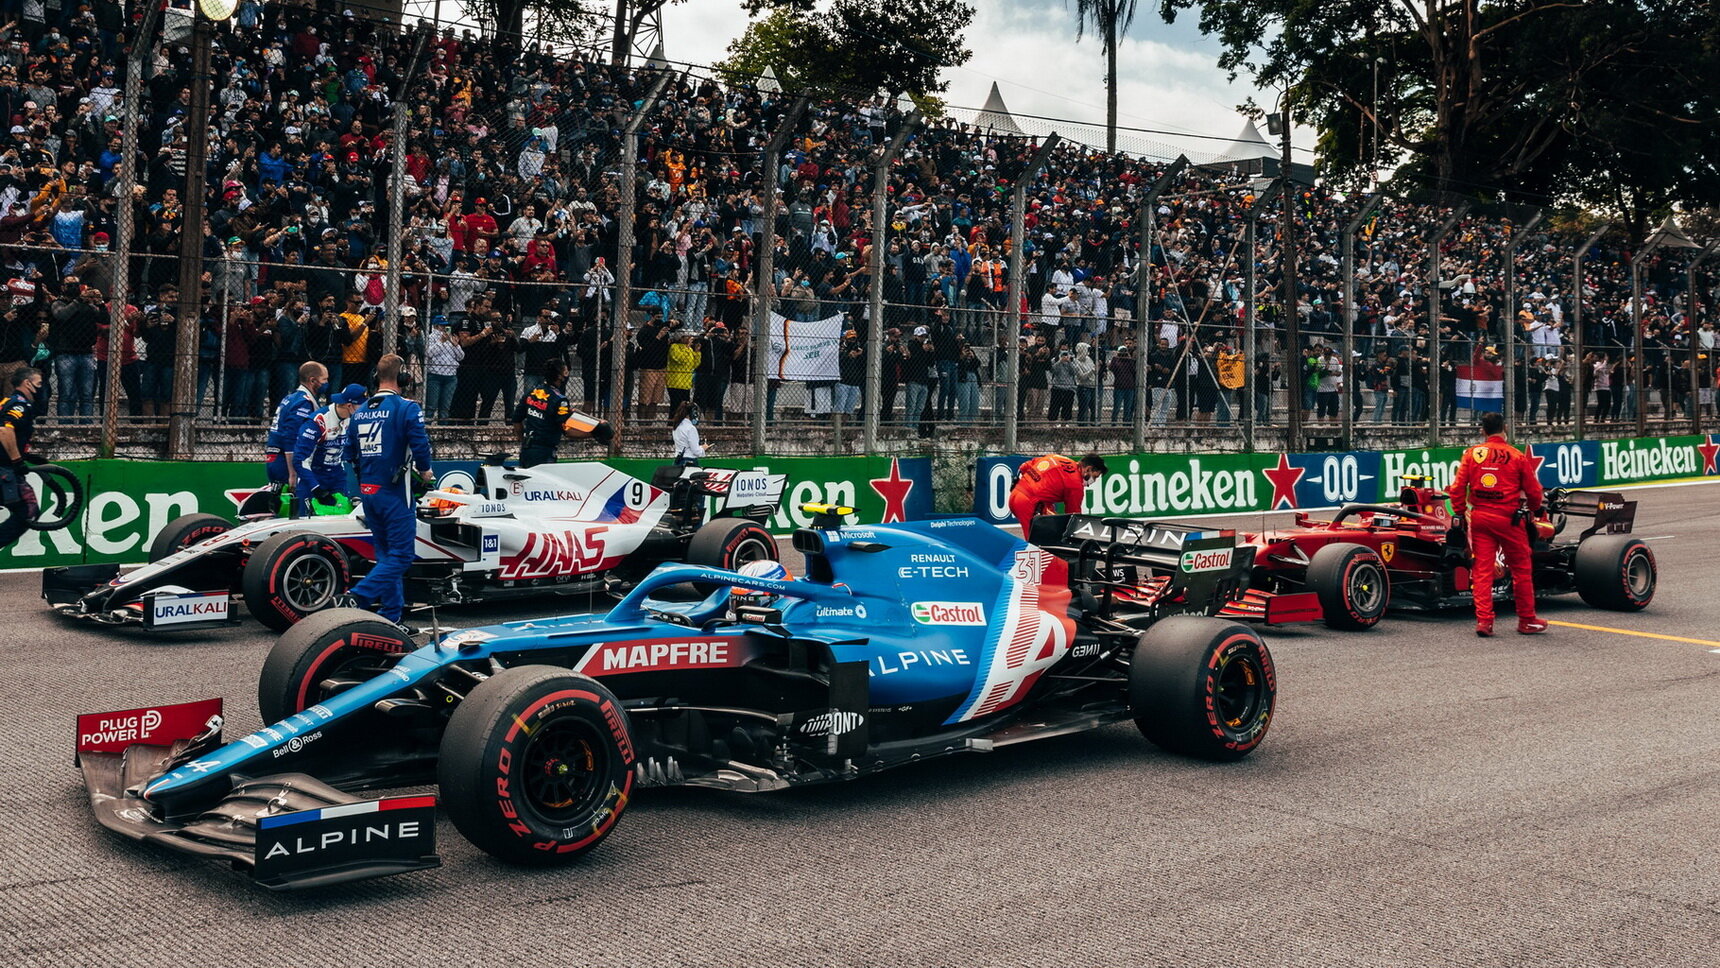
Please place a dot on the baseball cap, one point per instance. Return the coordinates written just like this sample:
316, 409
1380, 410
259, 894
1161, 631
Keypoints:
354, 393
408, 310
921, 331
99, 237
438, 320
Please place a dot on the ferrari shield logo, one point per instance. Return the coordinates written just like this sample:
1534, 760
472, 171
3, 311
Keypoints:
1387, 550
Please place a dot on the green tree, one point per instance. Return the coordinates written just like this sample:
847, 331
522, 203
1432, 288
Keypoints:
853, 46
569, 21
1110, 19
1514, 97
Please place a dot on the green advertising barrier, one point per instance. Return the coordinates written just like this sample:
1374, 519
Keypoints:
130, 501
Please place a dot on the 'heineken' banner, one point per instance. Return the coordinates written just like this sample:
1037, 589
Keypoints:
1166, 485
130, 501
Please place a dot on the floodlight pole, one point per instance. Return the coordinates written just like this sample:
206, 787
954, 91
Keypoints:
1250, 333
1638, 350
1347, 265
1433, 309
619, 309
1017, 281
764, 276
1144, 294
1509, 324
1577, 375
397, 196
875, 288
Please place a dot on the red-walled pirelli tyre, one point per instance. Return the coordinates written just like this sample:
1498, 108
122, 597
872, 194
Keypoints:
1202, 687
317, 657
1617, 572
1352, 585
184, 531
537, 765
730, 543
292, 575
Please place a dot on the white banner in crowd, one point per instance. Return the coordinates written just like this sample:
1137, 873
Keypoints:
808, 350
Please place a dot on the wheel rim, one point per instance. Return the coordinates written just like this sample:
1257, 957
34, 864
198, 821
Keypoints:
1240, 694
750, 549
308, 582
564, 766
1367, 588
361, 664
1638, 576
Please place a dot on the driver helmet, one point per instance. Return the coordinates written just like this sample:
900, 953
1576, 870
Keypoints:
442, 503
763, 568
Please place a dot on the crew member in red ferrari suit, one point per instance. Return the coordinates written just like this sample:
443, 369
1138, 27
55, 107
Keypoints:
1046, 481
1491, 483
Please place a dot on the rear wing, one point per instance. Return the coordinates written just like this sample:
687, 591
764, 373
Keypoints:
1191, 569
743, 493
1612, 513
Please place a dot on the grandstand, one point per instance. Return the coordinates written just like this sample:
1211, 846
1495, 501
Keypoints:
516, 250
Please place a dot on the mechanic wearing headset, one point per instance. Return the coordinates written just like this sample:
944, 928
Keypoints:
385, 440
1491, 483
317, 452
544, 416
17, 422
290, 415
1046, 481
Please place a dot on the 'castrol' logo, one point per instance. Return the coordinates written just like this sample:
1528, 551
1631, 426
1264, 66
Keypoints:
1216, 560
948, 613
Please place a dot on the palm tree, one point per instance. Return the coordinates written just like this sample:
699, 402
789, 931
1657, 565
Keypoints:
1110, 20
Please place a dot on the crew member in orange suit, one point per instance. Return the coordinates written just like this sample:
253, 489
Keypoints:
1491, 484
1046, 481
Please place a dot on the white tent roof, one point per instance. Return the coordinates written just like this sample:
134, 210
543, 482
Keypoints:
767, 81
995, 116
1671, 235
1246, 146
658, 60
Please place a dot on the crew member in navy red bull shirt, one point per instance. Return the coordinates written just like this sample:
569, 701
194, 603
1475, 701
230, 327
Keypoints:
317, 453
17, 422
544, 416
290, 415
1492, 483
385, 442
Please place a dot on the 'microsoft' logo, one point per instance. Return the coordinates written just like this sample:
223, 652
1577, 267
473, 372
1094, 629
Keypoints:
1216, 560
949, 613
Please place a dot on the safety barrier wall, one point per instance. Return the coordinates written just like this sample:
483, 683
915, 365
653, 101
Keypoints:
130, 501
1167, 484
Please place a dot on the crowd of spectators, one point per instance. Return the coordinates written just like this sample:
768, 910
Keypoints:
511, 234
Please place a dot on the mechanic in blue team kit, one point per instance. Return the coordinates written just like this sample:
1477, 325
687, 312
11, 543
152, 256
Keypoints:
317, 452
290, 415
385, 441
544, 416
17, 421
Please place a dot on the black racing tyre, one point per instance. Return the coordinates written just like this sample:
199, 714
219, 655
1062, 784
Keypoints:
59, 496
184, 531
536, 765
336, 644
1352, 584
729, 543
1202, 687
1616, 572
292, 575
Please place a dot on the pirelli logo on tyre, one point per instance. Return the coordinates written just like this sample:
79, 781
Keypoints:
1216, 559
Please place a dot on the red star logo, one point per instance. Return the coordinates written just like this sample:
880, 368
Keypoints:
238, 495
894, 490
1708, 448
1535, 460
1283, 478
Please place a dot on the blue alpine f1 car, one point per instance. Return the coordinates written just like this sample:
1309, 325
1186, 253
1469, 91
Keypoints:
899, 643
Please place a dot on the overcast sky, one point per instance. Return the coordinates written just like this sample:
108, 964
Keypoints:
1167, 75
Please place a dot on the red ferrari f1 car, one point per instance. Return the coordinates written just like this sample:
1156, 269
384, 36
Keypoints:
1414, 556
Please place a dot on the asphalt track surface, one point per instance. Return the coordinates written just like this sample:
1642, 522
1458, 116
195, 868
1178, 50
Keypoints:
1424, 798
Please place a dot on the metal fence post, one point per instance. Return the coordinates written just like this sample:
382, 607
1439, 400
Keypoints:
875, 287
182, 424
1017, 281
1636, 346
1144, 294
764, 278
142, 44
620, 308
1690, 324
1347, 265
1435, 357
1509, 324
397, 198
1578, 378
1251, 333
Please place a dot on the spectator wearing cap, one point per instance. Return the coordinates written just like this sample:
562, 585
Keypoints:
711, 377
851, 372
650, 353
481, 228
543, 341
355, 336
233, 276
442, 356
683, 361
78, 315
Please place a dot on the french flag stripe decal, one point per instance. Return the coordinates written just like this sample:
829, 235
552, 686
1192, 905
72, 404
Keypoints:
344, 810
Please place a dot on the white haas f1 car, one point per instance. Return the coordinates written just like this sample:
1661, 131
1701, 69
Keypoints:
569, 529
